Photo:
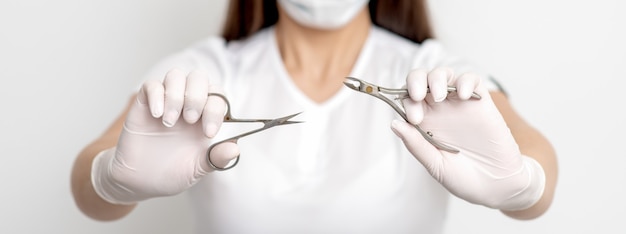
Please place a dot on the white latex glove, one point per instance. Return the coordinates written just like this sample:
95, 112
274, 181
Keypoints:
158, 155
489, 169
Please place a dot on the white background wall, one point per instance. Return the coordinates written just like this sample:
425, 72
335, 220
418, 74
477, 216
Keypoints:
67, 66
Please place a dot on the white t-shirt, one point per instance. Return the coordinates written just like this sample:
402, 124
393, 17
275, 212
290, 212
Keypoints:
341, 171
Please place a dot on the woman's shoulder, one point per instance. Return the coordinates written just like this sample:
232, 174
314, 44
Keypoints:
428, 54
385, 40
212, 53
208, 53
216, 48
259, 39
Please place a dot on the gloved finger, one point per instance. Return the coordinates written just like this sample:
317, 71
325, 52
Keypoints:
221, 155
417, 84
196, 91
466, 84
414, 110
174, 84
213, 113
420, 148
152, 93
438, 80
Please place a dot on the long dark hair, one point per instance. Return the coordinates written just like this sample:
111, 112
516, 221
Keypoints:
407, 18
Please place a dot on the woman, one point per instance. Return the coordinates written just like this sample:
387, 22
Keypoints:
341, 170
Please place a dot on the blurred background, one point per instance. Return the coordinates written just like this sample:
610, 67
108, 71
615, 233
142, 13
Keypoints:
67, 68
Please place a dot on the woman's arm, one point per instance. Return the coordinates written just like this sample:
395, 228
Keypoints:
532, 144
84, 194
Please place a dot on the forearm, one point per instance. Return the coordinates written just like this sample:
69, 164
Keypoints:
84, 194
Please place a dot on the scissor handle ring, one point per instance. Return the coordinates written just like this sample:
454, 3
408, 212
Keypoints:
215, 167
227, 117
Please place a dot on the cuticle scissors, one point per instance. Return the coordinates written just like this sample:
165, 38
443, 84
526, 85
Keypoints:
378, 92
228, 118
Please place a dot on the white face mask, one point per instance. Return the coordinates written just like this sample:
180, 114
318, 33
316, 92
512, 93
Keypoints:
323, 14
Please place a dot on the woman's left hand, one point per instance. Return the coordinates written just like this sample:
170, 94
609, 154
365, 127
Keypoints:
489, 169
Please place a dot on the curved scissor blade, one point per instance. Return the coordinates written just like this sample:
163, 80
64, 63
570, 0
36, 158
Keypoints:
283, 120
353, 83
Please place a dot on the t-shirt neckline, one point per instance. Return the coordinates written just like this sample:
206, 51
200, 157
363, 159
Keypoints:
302, 98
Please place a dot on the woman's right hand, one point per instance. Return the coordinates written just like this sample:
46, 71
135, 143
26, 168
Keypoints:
162, 148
